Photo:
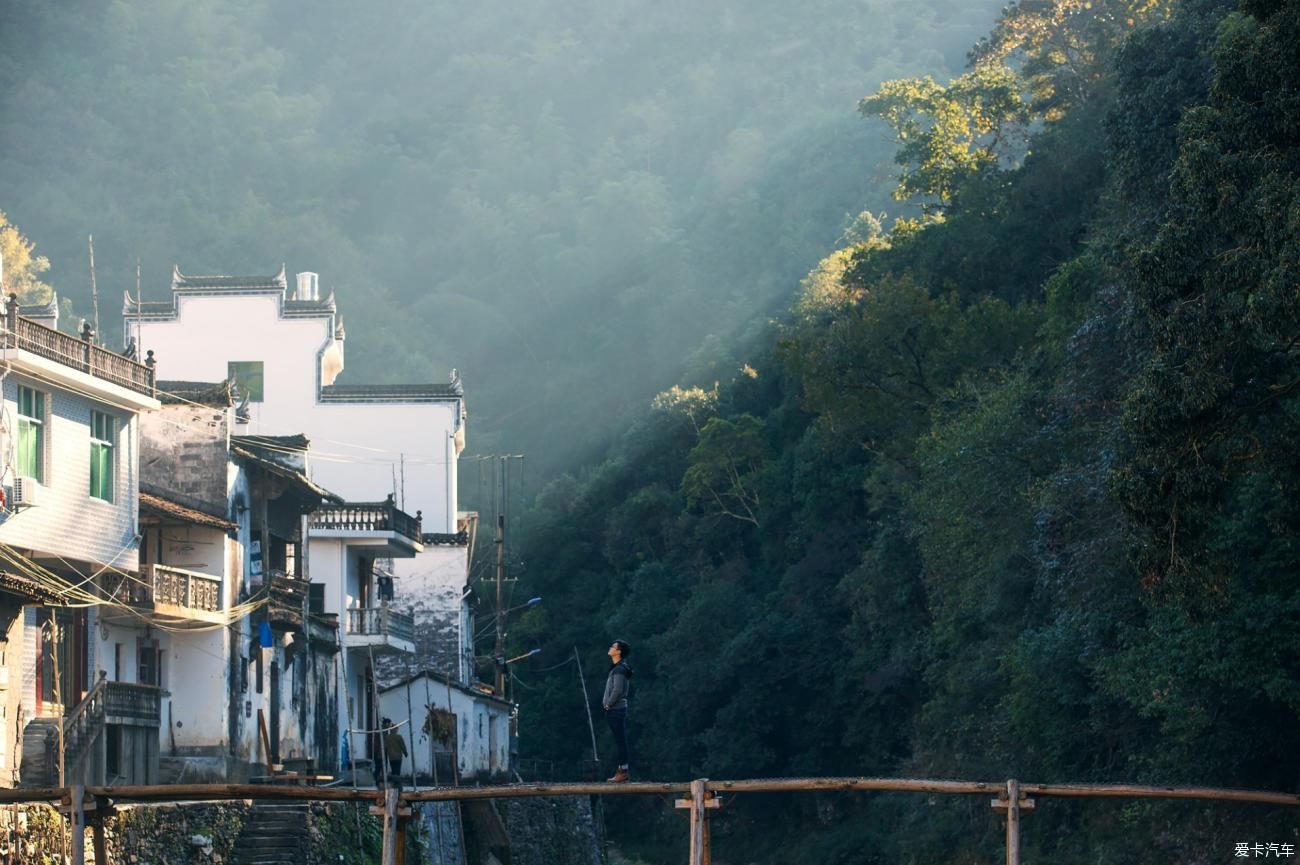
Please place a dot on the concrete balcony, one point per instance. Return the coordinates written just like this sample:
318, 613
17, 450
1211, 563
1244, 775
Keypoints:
72, 361
380, 629
163, 594
380, 526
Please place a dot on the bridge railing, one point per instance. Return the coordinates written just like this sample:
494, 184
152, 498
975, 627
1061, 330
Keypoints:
1008, 800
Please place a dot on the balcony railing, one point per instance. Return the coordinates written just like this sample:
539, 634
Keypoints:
183, 588
287, 599
81, 354
163, 584
107, 702
369, 517
381, 622
133, 704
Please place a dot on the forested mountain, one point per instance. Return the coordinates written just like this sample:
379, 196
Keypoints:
1010, 491
562, 201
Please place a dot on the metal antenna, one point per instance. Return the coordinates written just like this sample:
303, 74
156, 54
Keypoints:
94, 294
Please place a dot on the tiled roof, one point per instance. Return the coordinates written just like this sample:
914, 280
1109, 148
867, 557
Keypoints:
446, 681
272, 467
147, 306
391, 392
166, 508
297, 442
41, 310
25, 587
217, 394
310, 307
181, 281
459, 539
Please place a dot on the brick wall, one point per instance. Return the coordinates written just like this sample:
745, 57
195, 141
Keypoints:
184, 452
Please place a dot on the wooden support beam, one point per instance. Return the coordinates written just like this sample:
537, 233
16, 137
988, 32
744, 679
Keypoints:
266, 740
1013, 801
100, 843
77, 819
699, 821
389, 854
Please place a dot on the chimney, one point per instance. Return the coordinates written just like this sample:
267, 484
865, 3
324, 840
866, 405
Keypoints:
308, 286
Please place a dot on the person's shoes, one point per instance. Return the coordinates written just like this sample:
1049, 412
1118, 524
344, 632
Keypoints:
620, 776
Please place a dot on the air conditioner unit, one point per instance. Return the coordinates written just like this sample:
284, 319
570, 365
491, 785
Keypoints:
25, 492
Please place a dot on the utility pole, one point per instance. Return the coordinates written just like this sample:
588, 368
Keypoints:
499, 653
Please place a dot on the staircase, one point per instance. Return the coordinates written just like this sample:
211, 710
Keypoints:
275, 834
40, 761
81, 728
106, 703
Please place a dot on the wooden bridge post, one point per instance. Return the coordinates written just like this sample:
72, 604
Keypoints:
396, 813
699, 819
389, 854
700, 803
77, 817
102, 811
1013, 802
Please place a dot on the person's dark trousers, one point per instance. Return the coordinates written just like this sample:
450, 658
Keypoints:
617, 719
395, 770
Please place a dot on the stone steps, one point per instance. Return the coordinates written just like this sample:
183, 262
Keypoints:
36, 769
275, 834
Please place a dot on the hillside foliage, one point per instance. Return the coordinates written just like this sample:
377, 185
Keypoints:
1010, 491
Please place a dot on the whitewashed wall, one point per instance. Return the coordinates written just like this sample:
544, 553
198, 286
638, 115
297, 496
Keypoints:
483, 725
67, 521
356, 448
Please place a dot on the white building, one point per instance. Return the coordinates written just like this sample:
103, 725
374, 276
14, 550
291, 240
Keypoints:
69, 446
427, 709
389, 450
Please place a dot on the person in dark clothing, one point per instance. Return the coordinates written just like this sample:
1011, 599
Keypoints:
617, 689
394, 750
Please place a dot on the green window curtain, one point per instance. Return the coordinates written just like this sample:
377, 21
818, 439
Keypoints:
31, 433
101, 456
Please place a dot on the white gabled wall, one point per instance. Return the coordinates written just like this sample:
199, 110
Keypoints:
357, 447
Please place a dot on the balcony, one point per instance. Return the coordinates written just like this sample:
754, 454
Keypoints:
287, 600
135, 705
165, 594
81, 354
382, 629
381, 525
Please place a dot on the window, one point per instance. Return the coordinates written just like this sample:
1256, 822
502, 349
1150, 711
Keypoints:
147, 671
102, 428
31, 433
247, 376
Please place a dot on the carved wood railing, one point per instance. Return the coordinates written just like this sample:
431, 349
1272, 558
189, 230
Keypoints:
163, 584
183, 588
369, 517
287, 596
132, 703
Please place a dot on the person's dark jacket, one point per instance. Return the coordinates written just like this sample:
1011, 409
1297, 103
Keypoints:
617, 686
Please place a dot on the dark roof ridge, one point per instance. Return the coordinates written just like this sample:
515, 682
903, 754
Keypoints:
180, 281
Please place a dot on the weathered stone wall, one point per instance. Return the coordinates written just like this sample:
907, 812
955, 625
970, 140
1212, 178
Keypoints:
194, 833
546, 831
199, 832
560, 831
184, 451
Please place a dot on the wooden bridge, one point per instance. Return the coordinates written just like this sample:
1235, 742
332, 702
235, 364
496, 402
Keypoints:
86, 807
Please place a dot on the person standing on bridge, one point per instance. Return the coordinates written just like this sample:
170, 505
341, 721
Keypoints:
617, 687
395, 750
